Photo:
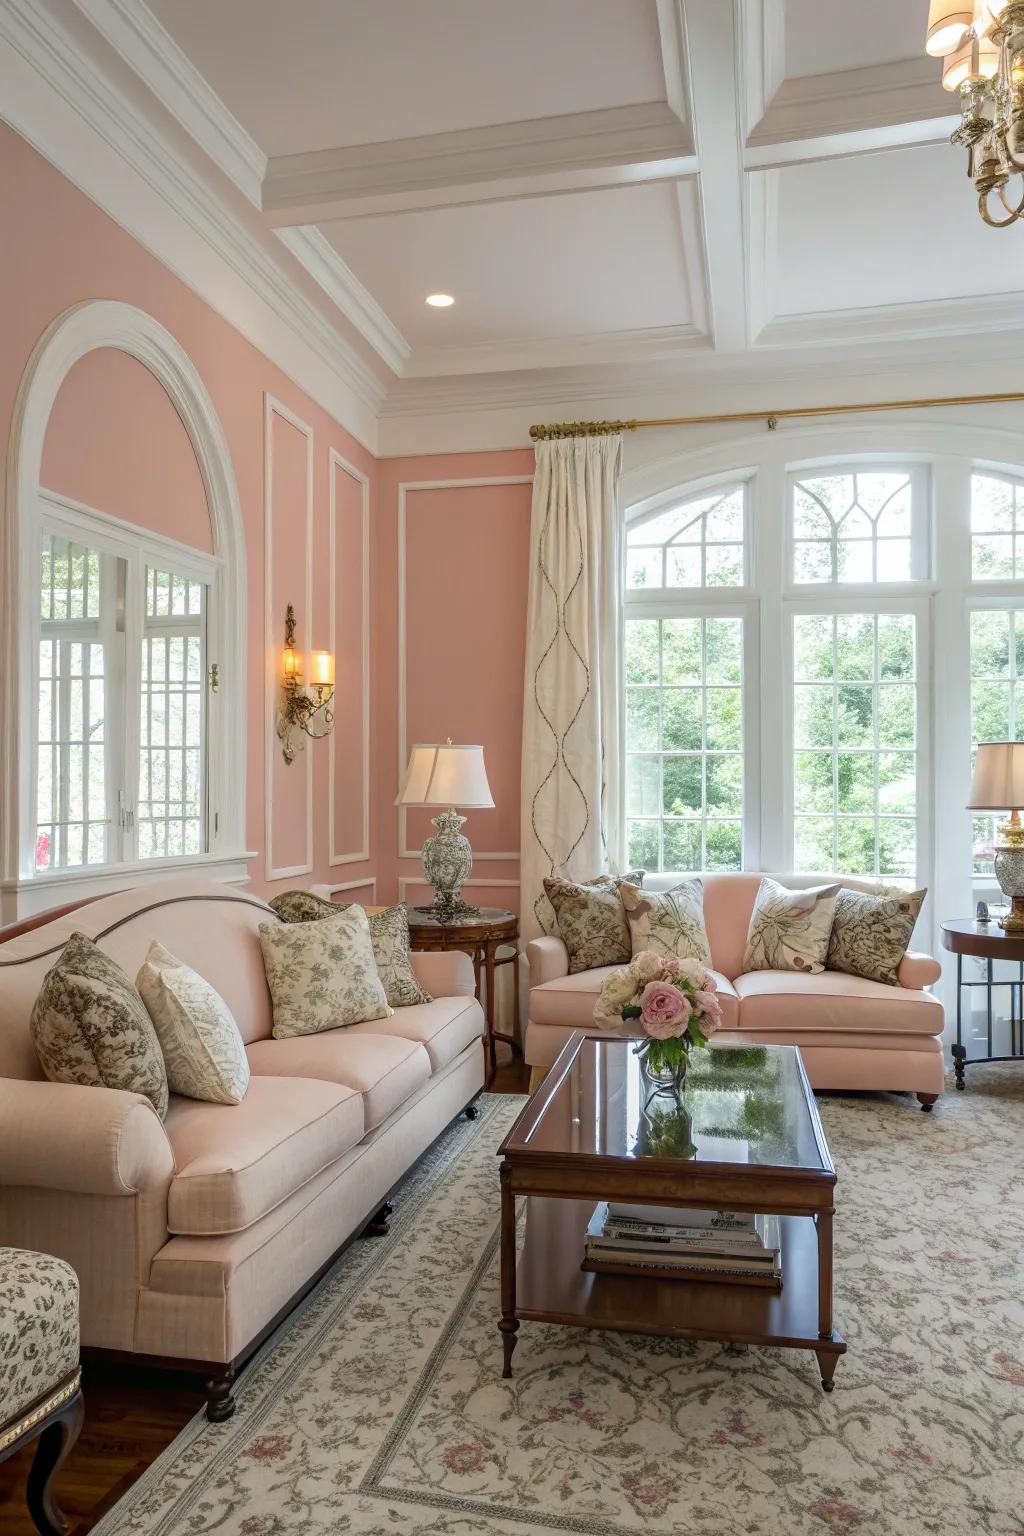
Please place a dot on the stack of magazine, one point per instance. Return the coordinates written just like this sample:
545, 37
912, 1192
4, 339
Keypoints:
663, 1242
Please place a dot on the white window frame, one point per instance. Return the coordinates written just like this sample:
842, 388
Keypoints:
921, 541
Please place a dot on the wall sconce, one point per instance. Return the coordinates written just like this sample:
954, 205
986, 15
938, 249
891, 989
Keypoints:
304, 707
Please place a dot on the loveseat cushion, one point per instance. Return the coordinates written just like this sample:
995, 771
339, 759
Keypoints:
830, 1001
237, 1162
443, 1027
568, 1001
384, 1069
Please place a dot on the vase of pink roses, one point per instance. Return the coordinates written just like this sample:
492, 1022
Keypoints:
671, 1005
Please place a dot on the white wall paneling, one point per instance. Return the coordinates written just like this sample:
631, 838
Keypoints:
342, 466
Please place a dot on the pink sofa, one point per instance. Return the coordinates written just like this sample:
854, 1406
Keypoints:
192, 1237
851, 1033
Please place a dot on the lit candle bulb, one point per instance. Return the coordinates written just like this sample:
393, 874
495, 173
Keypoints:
321, 669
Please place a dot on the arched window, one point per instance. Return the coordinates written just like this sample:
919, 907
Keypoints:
698, 543
858, 526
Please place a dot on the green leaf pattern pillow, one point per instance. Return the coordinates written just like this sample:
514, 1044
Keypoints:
591, 919
322, 974
789, 930
871, 934
671, 923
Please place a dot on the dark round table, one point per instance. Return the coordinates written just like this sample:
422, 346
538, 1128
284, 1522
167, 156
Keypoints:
988, 942
480, 933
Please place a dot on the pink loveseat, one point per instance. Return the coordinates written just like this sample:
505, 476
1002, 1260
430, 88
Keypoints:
852, 1033
192, 1236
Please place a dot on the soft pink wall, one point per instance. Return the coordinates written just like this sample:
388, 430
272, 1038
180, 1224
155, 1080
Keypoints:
115, 442
58, 250
466, 570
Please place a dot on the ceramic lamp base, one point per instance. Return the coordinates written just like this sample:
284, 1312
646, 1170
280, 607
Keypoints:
447, 862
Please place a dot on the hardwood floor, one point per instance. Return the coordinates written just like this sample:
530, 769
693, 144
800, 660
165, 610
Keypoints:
130, 1417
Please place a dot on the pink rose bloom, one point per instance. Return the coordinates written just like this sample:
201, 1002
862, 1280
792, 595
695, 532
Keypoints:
670, 968
664, 1012
709, 1011
709, 984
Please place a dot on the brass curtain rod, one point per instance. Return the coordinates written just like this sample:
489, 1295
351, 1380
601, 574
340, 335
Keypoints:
772, 418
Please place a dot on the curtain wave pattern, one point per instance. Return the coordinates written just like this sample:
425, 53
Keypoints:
570, 783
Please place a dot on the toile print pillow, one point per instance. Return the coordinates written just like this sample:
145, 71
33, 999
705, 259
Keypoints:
322, 974
668, 922
789, 930
871, 934
203, 1050
90, 1026
591, 919
389, 935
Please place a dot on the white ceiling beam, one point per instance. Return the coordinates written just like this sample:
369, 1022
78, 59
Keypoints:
711, 35
851, 112
574, 152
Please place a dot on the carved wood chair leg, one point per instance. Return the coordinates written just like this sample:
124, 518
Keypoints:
378, 1224
220, 1400
53, 1449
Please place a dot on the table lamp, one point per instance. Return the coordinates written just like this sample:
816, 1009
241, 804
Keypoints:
998, 785
441, 774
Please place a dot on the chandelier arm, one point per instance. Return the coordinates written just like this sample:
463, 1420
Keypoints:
1016, 209
983, 209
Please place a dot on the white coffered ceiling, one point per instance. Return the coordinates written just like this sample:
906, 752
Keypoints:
599, 183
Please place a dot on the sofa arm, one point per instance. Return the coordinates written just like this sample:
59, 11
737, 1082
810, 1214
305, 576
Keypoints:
444, 973
918, 970
548, 959
82, 1140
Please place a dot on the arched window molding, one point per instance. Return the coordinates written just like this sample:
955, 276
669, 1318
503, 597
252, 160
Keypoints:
78, 331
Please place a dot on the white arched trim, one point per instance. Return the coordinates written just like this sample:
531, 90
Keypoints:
104, 323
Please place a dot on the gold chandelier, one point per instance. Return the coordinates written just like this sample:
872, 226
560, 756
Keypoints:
982, 48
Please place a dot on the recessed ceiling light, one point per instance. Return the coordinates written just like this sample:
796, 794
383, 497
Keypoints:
440, 300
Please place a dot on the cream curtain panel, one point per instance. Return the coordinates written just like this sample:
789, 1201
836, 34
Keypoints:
570, 785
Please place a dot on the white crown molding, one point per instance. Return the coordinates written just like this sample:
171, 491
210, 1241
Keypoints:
78, 117
323, 263
130, 27
553, 352
493, 163
272, 635
336, 462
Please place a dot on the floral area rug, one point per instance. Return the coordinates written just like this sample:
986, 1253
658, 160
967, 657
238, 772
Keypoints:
379, 1410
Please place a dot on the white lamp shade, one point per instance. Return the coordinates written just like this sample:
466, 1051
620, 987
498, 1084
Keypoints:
947, 23
443, 775
998, 780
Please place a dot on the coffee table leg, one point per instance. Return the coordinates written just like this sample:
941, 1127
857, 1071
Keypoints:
827, 1363
823, 1223
509, 1323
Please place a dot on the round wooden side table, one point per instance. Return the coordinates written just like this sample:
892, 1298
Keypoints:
480, 935
988, 942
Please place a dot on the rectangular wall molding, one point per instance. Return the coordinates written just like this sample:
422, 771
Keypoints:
404, 489
338, 464
274, 638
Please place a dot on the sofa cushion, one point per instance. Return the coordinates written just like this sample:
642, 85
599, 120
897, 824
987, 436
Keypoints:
591, 919
203, 1051
789, 930
568, 1001
385, 1069
389, 936
237, 1162
871, 934
322, 974
831, 1001
443, 1027
669, 922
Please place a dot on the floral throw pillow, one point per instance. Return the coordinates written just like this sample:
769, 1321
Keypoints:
203, 1049
668, 922
322, 974
591, 919
389, 935
90, 1026
871, 934
789, 930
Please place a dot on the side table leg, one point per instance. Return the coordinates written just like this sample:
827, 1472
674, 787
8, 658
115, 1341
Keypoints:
823, 1223
492, 1049
509, 1323
959, 1054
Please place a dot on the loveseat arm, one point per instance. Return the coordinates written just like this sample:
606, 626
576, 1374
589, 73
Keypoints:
444, 973
81, 1140
549, 959
917, 970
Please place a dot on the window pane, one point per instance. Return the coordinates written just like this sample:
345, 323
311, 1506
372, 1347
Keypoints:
171, 789
853, 527
699, 543
855, 796
997, 667
684, 739
996, 555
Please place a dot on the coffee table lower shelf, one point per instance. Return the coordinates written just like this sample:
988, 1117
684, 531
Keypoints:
552, 1288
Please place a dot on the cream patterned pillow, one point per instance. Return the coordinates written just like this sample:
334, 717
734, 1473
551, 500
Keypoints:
203, 1050
870, 934
389, 935
591, 919
669, 922
322, 974
789, 930
90, 1026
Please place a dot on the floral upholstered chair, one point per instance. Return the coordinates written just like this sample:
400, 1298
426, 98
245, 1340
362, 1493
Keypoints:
40, 1379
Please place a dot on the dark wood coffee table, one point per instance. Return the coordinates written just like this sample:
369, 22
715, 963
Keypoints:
759, 1147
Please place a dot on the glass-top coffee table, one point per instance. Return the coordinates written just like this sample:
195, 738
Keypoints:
749, 1140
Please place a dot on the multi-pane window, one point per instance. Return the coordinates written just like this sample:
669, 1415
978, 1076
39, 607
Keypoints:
684, 742
997, 700
120, 716
172, 728
997, 528
697, 543
856, 526
855, 743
